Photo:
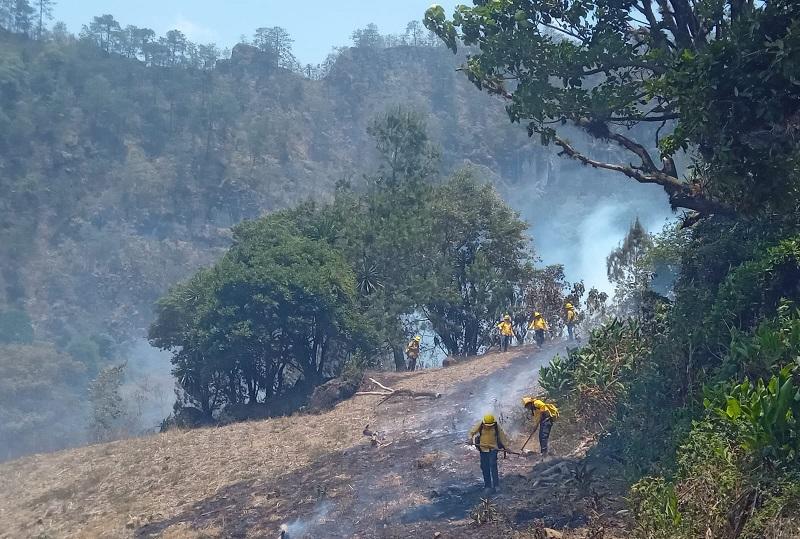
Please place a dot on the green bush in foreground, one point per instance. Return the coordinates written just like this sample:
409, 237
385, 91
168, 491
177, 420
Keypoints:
597, 375
737, 471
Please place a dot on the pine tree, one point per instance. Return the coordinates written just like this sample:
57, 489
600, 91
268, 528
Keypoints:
22, 13
44, 8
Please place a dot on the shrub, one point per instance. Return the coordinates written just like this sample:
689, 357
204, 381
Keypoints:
717, 490
764, 414
655, 505
597, 375
736, 471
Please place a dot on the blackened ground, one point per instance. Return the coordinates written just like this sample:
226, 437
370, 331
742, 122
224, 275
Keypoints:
421, 477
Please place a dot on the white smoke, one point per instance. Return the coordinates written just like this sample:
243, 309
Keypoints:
599, 232
303, 528
578, 215
148, 387
503, 391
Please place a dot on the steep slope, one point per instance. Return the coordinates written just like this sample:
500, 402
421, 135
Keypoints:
317, 473
121, 178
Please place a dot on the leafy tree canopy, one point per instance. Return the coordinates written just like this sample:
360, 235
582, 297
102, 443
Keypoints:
717, 77
303, 291
277, 309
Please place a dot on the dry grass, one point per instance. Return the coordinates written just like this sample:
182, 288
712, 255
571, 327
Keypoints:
110, 490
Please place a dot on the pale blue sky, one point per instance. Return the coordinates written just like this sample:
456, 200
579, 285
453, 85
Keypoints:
316, 25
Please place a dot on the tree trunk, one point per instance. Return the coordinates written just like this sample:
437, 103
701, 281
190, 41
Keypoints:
252, 389
471, 338
399, 358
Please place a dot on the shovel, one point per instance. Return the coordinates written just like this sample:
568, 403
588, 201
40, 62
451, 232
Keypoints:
522, 449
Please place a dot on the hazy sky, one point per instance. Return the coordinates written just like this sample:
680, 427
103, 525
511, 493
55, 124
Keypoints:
316, 25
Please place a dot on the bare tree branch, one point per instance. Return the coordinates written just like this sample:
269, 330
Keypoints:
647, 161
389, 393
566, 32
681, 194
661, 118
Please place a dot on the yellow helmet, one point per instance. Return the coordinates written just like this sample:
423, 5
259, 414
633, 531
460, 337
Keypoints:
488, 419
418, 338
569, 306
537, 315
507, 317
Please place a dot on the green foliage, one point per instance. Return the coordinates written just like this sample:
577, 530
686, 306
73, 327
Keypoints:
598, 375
557, 378
108, 408
738, 99
766, 414
723, 72
700, 499
760, 352
545, 291
407, 154
303, 292
628, 269
277, 308
756, 288
735, 472
131, 166
480, 258
656, 507
717, 490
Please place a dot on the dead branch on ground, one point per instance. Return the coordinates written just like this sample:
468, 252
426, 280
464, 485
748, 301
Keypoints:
389, 393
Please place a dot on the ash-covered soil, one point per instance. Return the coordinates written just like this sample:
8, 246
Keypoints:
316, 476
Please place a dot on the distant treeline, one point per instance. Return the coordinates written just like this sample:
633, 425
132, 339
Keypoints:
174, 49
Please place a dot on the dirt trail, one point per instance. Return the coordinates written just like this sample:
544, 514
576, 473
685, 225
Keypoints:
430, 478
317, 474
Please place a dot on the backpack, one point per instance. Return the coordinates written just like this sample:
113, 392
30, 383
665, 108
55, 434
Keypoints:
480, 430
552, 410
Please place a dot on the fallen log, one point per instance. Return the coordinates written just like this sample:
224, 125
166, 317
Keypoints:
390, 393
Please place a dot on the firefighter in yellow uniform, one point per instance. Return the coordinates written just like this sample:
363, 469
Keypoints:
571, 318
539, 326
544, 413
412, 352
489, 438
506, 329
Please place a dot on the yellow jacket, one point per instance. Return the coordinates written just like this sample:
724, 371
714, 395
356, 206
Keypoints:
412, 350
539, 323
571, 316
506, 329
542, 409
489, 436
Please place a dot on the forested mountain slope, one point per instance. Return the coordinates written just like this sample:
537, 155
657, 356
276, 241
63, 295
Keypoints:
120, 178
123, 172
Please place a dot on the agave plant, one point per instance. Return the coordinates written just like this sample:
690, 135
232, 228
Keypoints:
369, 278
557, 378
767, 414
